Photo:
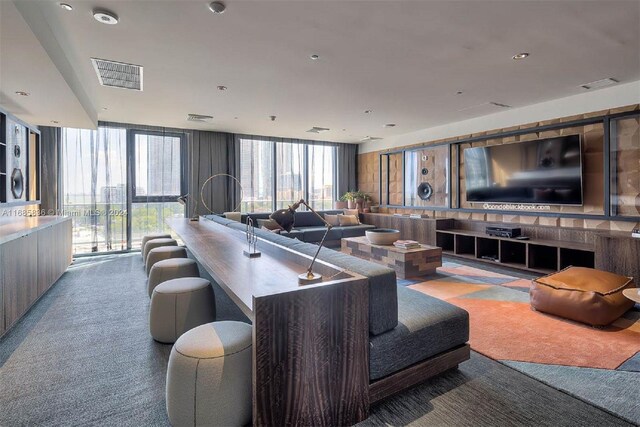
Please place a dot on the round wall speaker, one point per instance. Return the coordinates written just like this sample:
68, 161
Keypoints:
17, 151
17, 183
425, 191
424, 171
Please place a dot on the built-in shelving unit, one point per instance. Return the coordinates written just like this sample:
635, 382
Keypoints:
540, 256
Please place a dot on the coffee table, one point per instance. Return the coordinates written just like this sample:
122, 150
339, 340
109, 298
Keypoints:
406, 262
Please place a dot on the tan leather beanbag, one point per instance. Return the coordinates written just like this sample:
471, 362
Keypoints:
582, 294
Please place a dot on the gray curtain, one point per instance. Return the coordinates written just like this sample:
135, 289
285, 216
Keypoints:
211, 153
347, 168
50, 176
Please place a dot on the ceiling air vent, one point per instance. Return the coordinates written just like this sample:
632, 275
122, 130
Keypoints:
599, 83
370, 138
198, 118
118, 74
317, 129
485, 108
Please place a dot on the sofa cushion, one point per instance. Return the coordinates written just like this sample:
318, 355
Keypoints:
314, 234
306, 219
332, 219
383, 299
426, 326
348, 220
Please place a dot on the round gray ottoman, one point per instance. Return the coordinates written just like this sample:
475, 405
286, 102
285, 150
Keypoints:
168, 269
178, 305
209, 376
156, 243
152, 236
164, 252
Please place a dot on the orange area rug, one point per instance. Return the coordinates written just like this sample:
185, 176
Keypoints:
504, 327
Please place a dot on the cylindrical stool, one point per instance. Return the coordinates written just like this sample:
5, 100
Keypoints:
178, 305
164, 252
209, 376
152, 236
156, 243
168, 269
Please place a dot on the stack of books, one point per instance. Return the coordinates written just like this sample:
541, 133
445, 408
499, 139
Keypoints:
407, 244
635, 232
418, 216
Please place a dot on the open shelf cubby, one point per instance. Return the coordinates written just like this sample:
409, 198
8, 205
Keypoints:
576, 258
465, 245
445, 241
543, 258
487, 249
513, 252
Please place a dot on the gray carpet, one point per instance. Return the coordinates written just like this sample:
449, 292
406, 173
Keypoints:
83, 356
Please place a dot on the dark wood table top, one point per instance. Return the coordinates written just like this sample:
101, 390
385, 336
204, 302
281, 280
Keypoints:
219, 249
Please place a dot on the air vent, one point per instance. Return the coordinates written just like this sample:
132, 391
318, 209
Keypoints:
118, 74
317, 129
198, 118
370, 138
599, 83
485, 108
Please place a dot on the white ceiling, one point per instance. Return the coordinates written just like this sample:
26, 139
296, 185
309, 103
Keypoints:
403, 60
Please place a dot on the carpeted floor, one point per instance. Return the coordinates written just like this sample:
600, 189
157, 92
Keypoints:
83, 356
567, 355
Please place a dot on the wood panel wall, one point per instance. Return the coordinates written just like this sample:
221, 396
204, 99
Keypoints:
627, 168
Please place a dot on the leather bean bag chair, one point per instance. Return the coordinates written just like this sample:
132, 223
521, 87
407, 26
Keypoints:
582, 294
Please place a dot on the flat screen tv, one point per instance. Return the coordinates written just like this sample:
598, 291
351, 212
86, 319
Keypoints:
544, 171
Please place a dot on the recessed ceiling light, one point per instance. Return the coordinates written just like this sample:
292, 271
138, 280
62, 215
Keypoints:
273, 118
104, 108
105, 17
368, 111
390, 125
314, 57
222, 87
459, 92
55, 122
22, 93
66, 6
235, 118
217, 7
518, 56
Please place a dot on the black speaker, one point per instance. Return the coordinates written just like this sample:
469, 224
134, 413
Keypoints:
17, 183
424, 171
425, 191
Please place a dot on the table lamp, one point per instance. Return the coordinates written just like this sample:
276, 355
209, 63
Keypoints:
285, 218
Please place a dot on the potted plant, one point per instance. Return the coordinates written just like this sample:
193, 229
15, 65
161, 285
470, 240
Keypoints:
350, 198
341, 203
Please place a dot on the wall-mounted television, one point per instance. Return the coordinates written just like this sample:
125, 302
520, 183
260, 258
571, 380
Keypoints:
544, 171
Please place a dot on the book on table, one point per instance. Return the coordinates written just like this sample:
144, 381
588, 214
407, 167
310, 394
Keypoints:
406, 244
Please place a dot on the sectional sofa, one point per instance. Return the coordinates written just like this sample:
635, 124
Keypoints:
412, 336
309, 228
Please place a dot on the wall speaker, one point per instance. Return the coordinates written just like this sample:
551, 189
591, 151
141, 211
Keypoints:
424, 171
425, 191
16, 158
17, 184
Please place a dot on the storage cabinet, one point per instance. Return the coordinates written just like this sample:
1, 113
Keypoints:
31, 260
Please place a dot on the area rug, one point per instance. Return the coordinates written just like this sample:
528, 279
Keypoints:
599, 365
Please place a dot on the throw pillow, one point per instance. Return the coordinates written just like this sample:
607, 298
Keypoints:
353, 212
347, 220
268, 224
332, 219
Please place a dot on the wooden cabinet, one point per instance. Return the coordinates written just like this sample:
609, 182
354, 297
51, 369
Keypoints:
17, 262
31, 260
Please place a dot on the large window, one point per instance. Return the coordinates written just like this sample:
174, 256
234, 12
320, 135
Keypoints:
112, 209
275, 174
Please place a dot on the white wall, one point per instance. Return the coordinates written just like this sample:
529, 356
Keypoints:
603, 99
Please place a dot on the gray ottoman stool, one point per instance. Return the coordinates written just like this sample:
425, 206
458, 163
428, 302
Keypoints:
168, 269
164, 252
152, 236
209, 376
156, 243
178, 305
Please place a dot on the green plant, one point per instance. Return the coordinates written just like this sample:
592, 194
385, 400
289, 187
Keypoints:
347, 196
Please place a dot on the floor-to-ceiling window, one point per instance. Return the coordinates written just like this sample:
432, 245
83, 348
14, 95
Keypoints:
111, 208
276, 173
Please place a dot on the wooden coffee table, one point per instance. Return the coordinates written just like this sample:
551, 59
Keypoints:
406, 262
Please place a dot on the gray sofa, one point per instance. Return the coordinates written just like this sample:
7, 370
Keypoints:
406, 327
309, 228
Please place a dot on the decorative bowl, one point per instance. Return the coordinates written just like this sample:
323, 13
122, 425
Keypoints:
382, 236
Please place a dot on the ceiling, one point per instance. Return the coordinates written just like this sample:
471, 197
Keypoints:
405, 60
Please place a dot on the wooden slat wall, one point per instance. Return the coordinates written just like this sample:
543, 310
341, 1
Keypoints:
628, 172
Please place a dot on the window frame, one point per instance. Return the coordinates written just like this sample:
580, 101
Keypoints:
131, 148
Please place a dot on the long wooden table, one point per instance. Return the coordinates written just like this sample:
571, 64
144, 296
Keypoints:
310, 343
